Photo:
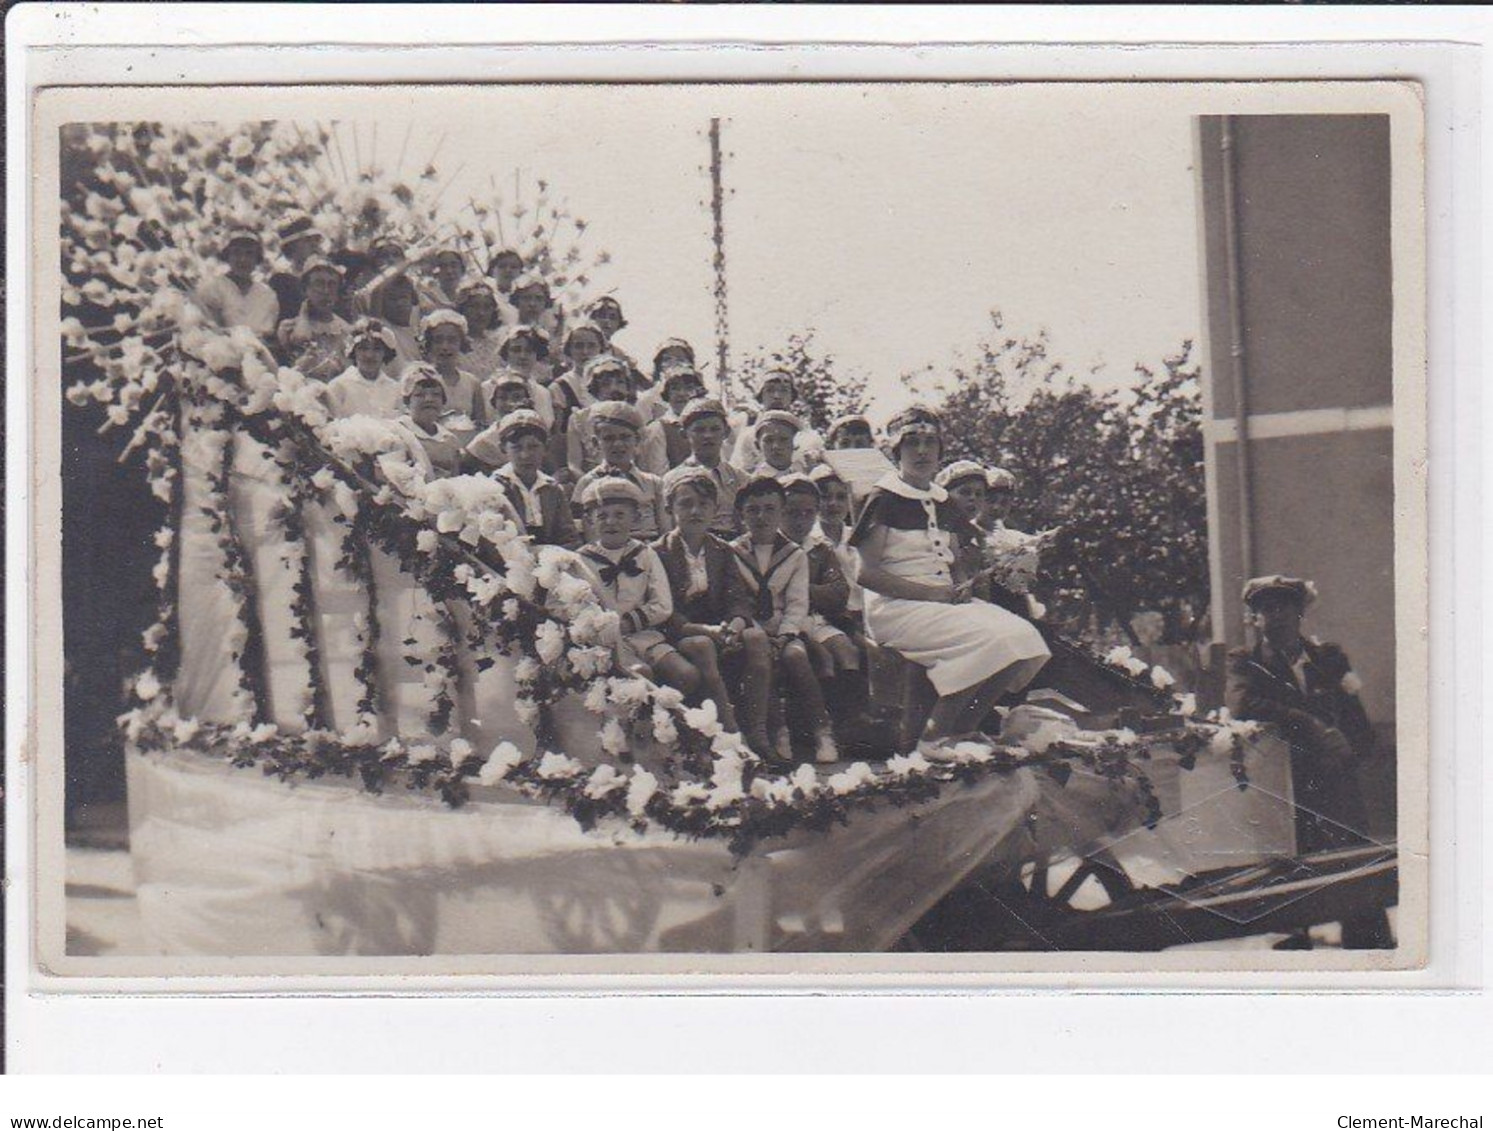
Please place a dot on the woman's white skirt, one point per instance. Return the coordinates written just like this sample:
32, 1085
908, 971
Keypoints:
960, 645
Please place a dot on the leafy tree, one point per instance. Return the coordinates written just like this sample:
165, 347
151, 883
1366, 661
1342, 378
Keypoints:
823, 392
1118, 475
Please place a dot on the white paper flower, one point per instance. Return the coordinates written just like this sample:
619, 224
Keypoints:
805, 779
1186, 704
670, 698
424, 752
1161, 678
614, 738
664, 730
904, 765
526, 670
851, 778
427, 541
703, 719
640, 790
549, 641
504, 757
1352, 684
147, 686
554, 765
604, 780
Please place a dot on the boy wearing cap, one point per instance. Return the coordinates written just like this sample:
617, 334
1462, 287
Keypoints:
365, 388
630, 580
437, 450
519, 441
705, 427
508, 392
1309, 692
776, 431
237, 298
443, 339
776, 573
712, 620
315, 340
606, 379
664, 444
618, 426
299, 240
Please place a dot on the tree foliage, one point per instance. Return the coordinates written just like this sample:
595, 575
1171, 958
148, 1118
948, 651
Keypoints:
1118, 474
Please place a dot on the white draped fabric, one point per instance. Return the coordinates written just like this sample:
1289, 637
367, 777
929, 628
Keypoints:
229, 862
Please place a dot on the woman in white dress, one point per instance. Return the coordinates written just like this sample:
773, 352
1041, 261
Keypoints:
917, 602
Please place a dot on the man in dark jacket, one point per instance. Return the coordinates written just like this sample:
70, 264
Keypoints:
1308, 691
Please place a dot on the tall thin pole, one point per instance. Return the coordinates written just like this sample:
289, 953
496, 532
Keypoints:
718, 237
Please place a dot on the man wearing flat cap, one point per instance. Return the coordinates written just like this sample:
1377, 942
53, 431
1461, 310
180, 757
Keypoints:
1309, 692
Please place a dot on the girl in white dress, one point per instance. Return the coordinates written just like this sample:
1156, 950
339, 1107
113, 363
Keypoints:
918, 605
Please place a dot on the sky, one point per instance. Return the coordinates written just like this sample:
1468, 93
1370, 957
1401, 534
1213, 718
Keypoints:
889, 219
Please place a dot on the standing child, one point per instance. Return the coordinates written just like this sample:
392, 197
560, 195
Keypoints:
664, 443
568, 390
443, 340
630, 580
299, 241
365, 388
395, 303
776, 573
541, 503
617, 426
607, 379
237, 298
776, 431
533, 306
315, 340
849, 432
477, 302
522, 351
606, 312
436, 449
712, 621
704, 424
775, 392
447, 268
504, 269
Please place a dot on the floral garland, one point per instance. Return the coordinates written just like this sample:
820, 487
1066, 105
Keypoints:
296, 556
738, 802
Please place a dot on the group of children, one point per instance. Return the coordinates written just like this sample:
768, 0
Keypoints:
726, 550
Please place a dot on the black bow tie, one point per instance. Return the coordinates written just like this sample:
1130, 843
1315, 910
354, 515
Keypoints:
612, 572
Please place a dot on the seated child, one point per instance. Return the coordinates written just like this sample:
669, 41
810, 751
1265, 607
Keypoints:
776, 431
364, 388
606, 379
443, 340
776, 573
629, 579
712, 621
541, 503
522, 350
617, 426
436, 449
705, 427
829, 592
967, 484
314, 341
664, 443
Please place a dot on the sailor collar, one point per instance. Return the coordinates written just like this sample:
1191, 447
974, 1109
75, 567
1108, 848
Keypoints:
894, 484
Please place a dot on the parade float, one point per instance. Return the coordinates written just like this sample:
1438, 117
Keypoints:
373, 719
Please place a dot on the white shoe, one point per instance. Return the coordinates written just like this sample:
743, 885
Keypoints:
825, 749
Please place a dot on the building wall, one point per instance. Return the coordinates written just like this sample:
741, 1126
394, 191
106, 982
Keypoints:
1314, 294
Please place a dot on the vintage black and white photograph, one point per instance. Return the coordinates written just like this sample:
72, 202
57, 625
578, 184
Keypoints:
951, 525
